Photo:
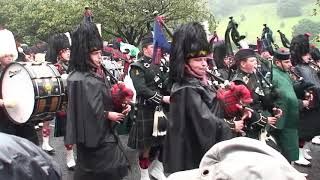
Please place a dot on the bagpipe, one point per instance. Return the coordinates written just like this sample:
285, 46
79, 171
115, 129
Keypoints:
232, 29
233, 34
235, 98
271, 94
120, 94
302, 88
267, 39
284, 40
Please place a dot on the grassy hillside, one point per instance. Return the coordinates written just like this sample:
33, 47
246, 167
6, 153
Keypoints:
257, 15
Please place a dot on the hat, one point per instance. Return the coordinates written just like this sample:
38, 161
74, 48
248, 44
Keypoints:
253, 47
282, 54
299, 47
85, 39
56, 43
189, 41
241, 158
243, 54
219, 52
147, 40
8, 44
27, 50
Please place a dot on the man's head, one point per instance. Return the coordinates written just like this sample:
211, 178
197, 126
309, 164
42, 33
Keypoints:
58, 48
86, 47
189, 44
282, 59
6, 60
8, 49
246, 60
147, 45
265, 54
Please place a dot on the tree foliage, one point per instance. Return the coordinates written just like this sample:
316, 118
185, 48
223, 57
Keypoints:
33, 20
129, 18
307, 26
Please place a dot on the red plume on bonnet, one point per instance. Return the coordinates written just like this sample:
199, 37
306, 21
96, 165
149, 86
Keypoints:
120, 95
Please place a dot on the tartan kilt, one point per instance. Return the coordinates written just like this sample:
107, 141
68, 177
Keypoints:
60, 126
140, 136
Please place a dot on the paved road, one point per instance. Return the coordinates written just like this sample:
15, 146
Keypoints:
57, 143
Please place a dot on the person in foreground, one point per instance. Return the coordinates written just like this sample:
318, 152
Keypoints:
241, 158
22, 159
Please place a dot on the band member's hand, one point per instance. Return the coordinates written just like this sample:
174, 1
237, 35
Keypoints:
166, 99
126, 110
277, 112
272, 120
247, 113
306, 103
114, 116
1, 103
238, 125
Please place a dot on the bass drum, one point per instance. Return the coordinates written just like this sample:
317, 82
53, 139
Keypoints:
35, 89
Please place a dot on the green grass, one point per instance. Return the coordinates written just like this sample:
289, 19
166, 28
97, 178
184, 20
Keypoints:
257, 15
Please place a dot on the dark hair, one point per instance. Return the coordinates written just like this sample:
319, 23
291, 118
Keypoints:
85, 39
188, 38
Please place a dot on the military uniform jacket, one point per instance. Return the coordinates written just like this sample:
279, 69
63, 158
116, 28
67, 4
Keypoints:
259, 117
148, 80
286, 133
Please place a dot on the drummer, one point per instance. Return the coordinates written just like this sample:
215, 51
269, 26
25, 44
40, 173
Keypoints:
8, 53
59, 54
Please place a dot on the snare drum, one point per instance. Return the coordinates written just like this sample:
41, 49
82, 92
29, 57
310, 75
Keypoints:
35, 88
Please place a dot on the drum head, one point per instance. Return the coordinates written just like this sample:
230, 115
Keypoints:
17, 87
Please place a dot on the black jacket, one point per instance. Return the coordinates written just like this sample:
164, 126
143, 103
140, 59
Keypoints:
196, 124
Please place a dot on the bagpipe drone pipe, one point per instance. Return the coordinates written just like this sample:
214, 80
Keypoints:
267, 39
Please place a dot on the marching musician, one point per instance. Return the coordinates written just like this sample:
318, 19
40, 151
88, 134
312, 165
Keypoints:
59, 54
286, 133
90, 113
196, 121
309, 125
148, 81
8, 53
246, 62
222, 60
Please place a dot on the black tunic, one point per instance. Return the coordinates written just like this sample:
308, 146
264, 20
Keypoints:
99, 153
149, 80
309, 124
196, 124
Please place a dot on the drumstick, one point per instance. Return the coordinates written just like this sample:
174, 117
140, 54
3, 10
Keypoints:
9, 104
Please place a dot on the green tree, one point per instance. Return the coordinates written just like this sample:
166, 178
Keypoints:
307, 26
129, 18
33, 20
